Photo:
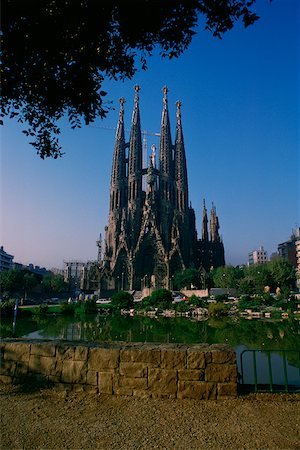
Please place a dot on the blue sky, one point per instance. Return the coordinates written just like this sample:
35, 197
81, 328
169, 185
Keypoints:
240, 115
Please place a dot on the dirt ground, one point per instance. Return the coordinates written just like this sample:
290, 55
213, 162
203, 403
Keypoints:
50, 420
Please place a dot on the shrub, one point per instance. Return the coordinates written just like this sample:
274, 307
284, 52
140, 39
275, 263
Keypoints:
41, 309
86, 307
7, 307
67, 308
161, 298
122, 300
217, 309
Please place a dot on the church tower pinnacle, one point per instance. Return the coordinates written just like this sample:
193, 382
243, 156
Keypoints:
214, 225
165, 153
135, 155
181, 181
151, 233
204, 223
118, 173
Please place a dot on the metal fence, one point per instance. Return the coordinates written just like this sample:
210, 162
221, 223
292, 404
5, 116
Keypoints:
275, 370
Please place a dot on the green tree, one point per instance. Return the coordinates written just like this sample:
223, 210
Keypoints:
11, 281
187, 278
161, 298
283, 274
54, 284
226, 276
30, 280
255, 278
122, 300
56, 54
217, 309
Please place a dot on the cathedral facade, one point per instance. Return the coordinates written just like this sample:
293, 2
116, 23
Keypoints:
151, 232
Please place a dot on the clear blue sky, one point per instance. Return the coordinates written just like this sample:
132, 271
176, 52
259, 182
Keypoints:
240, 114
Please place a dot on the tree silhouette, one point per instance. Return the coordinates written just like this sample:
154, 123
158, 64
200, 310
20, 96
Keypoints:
55, 54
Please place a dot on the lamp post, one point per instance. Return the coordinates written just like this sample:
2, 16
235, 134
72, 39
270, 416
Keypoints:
122, 283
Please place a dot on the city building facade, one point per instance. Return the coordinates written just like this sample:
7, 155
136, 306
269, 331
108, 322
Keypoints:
6, 260
78, 274
259, 256
287, 249
151, 232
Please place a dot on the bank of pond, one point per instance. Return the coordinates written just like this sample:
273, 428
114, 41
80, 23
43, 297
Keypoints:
99, 323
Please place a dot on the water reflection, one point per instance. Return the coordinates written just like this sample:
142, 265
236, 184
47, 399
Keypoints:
237, 332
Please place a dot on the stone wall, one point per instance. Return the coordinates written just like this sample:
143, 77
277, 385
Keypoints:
145, 370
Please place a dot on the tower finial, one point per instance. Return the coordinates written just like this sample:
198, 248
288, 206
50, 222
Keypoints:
122, 101
137, 88
165, 91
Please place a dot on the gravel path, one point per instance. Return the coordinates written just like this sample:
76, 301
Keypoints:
50, 420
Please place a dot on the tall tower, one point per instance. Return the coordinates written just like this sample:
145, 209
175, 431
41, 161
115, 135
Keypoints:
166, 174
151, 233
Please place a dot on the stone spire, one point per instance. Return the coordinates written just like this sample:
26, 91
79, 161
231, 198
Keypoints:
135, 153
214, 225
181, 181
204, 223
118, 173
165, 153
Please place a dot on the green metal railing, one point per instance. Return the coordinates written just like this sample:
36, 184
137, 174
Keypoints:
285, 384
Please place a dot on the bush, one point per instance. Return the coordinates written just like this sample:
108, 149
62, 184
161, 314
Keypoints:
122, 300
161, 298
67, 308
7, 307
217, 309
41, 309
181, 307
86, 307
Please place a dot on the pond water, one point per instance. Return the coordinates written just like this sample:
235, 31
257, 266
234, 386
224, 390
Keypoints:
239, 333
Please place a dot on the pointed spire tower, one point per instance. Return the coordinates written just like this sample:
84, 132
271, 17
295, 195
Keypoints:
135, 156
181, 180
214, 225
204, 223
165, 155
118, 172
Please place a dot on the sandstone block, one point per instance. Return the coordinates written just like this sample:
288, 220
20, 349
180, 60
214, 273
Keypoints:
105, 382
133, 383
103, 358
74, 372
221, 373
21, 368
197, 359
44, 349
123, 391
143, 355
162, 380
227, 390
191, 374
16, 351
91, 377
221, 357
65, 353
8, 368
41, 364
141, 393
81, 353
133, 369
5, 379
197, 390
173, 359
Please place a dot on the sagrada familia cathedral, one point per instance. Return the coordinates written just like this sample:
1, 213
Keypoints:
151, 232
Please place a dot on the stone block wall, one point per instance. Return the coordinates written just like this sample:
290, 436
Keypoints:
138, 369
